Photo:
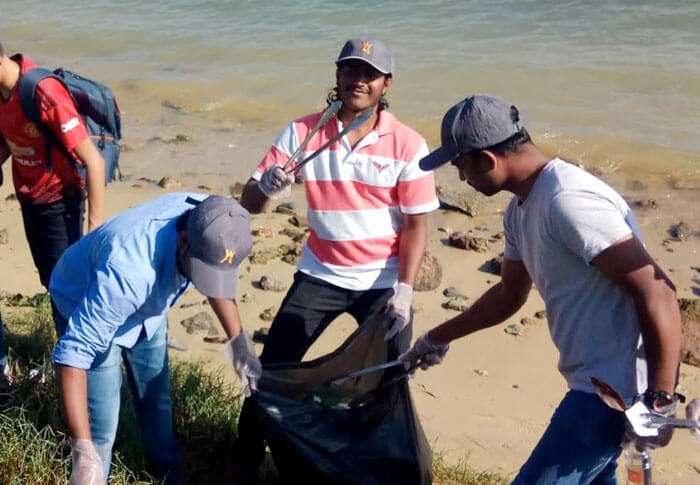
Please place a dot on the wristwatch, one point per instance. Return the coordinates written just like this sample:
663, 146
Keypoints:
663, 402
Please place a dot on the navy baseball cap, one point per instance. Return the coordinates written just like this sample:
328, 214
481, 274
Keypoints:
477, 122
374, 52
218, 234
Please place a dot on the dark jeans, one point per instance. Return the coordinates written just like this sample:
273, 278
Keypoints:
50, 229
309, 307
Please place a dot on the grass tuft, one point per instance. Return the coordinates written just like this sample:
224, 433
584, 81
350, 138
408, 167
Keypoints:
33, 439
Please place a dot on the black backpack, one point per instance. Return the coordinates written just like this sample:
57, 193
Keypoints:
95, 103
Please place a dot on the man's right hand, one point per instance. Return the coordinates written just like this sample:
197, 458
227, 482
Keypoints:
428, 352
86, 464
241, 352
275, 183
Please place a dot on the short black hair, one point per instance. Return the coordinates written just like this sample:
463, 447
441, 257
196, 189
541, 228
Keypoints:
510, 144
181, 223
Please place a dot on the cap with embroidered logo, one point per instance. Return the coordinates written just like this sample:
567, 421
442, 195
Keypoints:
477, 122
374, 52
218, 235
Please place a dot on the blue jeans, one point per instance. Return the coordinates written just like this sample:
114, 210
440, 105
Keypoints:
580, 446
146, 366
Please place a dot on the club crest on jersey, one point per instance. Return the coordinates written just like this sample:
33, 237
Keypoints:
228, 257
380, 166
367, 47
31, 130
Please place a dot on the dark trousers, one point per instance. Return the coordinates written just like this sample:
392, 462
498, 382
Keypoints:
309, 307
50, 229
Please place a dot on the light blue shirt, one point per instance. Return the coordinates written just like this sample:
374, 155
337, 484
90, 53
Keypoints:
119, 280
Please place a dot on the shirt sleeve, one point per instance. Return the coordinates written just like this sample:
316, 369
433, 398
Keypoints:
511, 250
110, 301
416, 187
586, 223
280, 151
59, 114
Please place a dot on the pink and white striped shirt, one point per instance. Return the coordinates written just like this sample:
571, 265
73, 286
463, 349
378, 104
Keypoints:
357, 197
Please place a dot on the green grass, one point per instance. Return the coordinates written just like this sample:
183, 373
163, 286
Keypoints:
33, 435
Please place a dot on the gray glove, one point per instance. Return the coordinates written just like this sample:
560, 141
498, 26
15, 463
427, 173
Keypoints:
241, 353
275, 183
665, 432
398, 309
86, 464
425, 350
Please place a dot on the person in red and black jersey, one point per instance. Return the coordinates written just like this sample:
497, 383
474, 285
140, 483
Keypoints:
51, 197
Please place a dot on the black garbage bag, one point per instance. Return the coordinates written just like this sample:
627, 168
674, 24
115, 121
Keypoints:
363, 431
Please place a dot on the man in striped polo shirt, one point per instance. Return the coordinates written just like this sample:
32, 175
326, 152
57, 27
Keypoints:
367, 209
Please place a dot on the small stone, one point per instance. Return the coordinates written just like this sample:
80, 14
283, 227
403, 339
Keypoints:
456, 304
541, 314
215, 339
645, 204
260, 335
169, 183
461, 240
299, 221
493, 265
499, 235
680, 231
263, 232
286, 208
429, 275
237, 190
528, 321
270, 284
12, 196
467, 200
137, 186
246, 298
204, 187
268, 314
4, 238
452, 292
199, 323
296, 236
514, 329
174, 344
190, 305
444, 229
264, 255
481, 372
292, 259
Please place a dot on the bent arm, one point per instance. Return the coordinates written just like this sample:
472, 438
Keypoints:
73, 387
414, 238
627, 263
95, 168
493, 307
227, 312
253, 200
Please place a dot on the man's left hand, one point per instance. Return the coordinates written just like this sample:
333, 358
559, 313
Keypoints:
398, 310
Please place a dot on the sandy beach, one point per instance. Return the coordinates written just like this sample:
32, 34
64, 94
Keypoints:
492, 398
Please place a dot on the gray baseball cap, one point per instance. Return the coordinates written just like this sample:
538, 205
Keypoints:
477, 122
374, 52
218, 232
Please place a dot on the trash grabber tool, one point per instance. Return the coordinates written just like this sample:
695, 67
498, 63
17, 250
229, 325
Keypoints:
330, 112
358, 121
362, 372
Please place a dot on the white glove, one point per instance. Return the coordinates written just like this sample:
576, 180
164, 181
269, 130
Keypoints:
665, 433
398, 309
86, 464
692, 411
241, 353
275, 183
427, 351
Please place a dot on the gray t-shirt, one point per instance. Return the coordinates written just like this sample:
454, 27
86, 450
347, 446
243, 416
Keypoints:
569, 218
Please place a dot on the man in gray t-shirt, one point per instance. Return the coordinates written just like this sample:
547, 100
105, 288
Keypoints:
612, 312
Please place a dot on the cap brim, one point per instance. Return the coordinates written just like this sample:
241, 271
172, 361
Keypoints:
360, 58
214, 281
436, 158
